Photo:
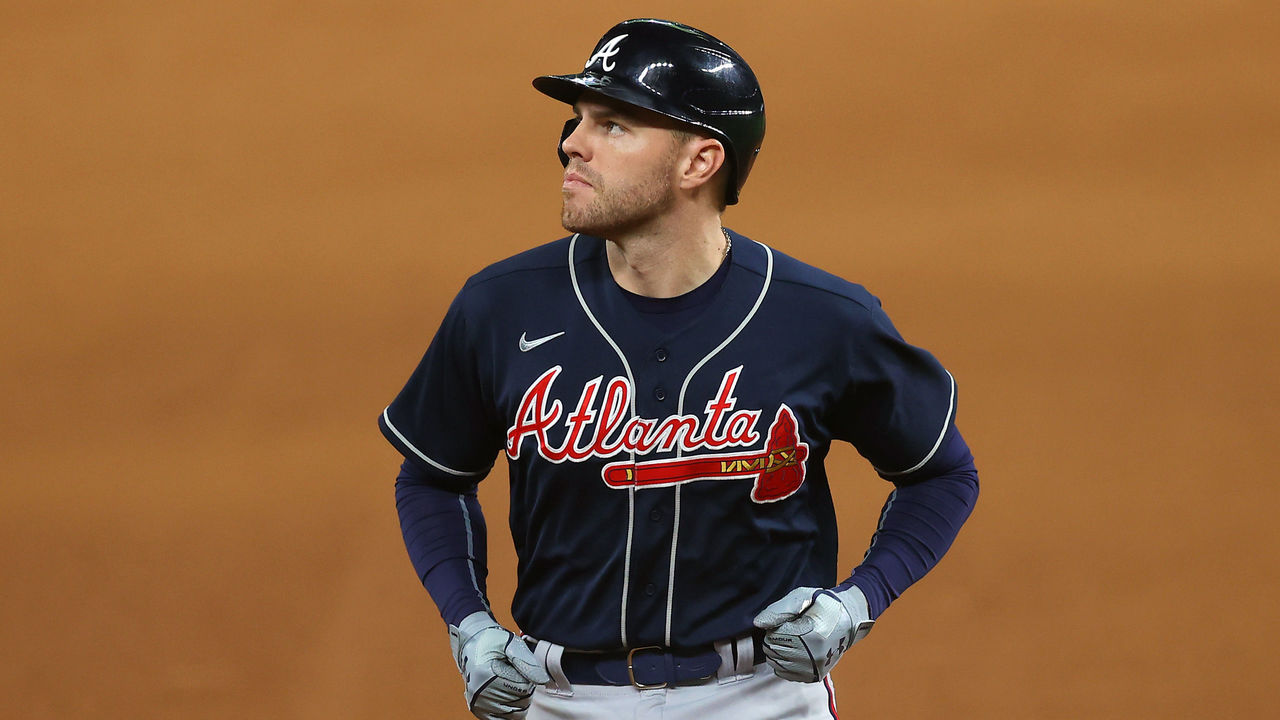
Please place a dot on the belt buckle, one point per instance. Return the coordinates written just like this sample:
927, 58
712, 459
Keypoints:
631, 672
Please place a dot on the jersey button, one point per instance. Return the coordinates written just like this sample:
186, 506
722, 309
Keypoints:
655, 515
659, 394
650, 589
660, 354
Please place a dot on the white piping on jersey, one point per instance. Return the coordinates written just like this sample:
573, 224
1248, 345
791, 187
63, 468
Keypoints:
631, 493
471, 552
946, 422
768, 278
626, 560
461, 473
671, 567
675, 529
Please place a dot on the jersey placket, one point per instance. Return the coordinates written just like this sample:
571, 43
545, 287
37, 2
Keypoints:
654, 512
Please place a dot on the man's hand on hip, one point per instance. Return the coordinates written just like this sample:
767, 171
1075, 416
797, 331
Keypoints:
810, 628
499, 670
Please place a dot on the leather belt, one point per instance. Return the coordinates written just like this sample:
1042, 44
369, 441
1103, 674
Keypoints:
646, 668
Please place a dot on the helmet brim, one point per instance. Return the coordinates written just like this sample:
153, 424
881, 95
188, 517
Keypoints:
568, 88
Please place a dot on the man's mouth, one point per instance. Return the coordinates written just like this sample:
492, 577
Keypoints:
573, 179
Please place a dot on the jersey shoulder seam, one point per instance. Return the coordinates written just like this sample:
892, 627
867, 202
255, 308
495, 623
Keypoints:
485, 276
515, 264
829, 291
786, 267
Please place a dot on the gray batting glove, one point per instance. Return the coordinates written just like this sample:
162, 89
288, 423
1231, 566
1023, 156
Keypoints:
499, 670
810, 628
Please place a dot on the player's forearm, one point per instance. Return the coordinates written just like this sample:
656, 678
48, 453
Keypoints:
917, 527
444, 533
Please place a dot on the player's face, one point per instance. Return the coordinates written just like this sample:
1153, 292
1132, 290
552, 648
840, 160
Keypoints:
621, 171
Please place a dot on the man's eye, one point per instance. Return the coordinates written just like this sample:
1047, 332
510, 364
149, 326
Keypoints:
612, 127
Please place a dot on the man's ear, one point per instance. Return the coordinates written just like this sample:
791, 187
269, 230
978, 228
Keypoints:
705, 158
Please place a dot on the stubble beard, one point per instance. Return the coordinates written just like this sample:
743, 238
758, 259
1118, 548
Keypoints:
612, 211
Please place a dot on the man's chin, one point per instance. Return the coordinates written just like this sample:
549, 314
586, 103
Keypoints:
575, 222
600, 222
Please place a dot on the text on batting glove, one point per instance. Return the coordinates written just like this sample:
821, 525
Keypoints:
809, 629
498, 668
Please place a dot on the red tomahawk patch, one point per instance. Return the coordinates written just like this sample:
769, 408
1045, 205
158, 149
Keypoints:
778, 471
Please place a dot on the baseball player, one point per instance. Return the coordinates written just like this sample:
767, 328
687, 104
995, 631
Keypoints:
666, 391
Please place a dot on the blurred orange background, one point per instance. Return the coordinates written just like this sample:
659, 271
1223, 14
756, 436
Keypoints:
230, 228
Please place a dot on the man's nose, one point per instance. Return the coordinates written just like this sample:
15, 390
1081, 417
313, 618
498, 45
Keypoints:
565, 149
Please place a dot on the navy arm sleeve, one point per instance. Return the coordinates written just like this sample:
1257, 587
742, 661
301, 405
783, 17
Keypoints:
920, 520
445, 535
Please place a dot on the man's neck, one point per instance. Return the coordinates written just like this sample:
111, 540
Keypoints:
667, 262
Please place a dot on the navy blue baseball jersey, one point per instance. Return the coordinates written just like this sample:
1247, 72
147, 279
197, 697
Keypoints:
667, 479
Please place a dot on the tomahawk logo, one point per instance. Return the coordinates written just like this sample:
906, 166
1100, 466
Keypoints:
605, 54
604, 430
777, 471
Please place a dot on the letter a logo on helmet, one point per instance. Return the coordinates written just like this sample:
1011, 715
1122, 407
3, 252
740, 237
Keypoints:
605, 54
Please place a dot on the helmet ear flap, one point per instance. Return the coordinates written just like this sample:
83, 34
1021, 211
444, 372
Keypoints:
569, 126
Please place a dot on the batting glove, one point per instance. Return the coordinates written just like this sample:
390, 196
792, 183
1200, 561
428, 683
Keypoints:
810, 628
499, 670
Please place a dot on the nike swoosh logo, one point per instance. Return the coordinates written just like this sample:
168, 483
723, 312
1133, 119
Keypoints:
527, 345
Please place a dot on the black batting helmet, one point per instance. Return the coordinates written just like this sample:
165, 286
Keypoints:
680, 72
